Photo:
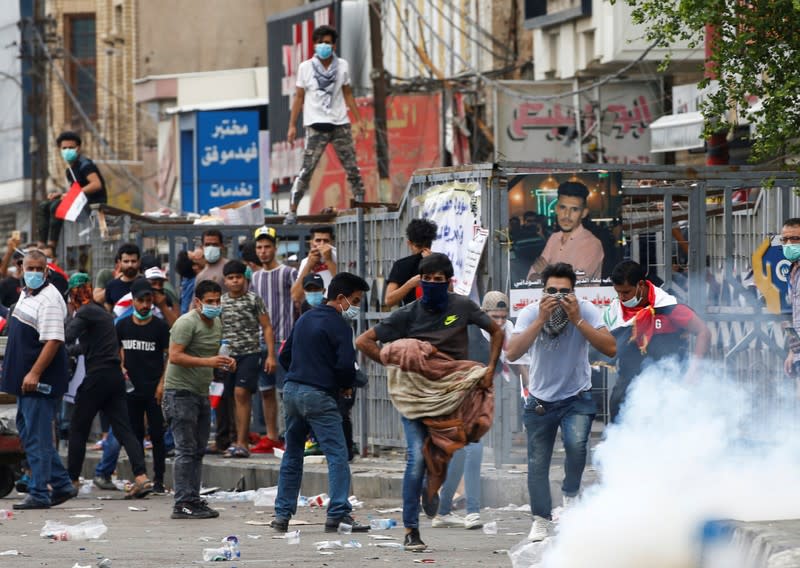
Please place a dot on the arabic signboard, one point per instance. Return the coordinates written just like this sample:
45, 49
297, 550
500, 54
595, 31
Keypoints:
600, 296
227, 157
545, 130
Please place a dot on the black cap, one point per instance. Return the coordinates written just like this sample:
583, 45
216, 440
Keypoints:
313, 280
141, 287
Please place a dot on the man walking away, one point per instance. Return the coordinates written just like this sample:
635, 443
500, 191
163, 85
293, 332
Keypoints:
321, 362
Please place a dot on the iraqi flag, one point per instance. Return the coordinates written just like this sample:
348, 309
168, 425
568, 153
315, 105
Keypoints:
72, 203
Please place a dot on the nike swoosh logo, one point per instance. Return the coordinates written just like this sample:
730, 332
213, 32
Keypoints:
450, 320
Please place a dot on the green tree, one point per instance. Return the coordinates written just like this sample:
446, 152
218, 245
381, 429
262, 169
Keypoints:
755, 53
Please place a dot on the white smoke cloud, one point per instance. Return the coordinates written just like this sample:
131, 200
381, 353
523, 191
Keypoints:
685, 452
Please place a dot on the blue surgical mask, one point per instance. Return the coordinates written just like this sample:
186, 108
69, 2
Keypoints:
434, 295
323, 50
142, 315
211, 312
248, 273
69, 154
314, 298
211, 254
34, 280
632, 302
791, 252
351, 313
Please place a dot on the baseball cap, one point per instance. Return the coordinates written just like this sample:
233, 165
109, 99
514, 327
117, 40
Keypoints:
141, 287
78, 279
494, 300
155, 273
313, 280
266, 233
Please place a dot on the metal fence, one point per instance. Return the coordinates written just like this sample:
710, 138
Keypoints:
701, 243
698, 241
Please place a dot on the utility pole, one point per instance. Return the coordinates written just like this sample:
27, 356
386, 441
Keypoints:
379, 94
32, 33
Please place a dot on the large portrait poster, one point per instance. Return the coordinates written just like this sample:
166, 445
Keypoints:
545, 227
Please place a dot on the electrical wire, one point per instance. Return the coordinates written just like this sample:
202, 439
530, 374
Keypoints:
486, 33
449, 20
396, 40
522, 95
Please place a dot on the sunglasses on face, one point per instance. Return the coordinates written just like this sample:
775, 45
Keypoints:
552, 290
790, 239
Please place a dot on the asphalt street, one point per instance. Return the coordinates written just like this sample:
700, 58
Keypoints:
149, 538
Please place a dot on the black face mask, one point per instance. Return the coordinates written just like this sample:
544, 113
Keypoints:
434, 295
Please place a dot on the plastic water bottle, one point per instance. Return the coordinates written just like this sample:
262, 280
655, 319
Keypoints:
6, 514
225, 351
382, 524
44, 388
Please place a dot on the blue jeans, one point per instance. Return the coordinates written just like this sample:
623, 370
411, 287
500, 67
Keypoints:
35, 426
307, 407
574, 416
472, 456
111, 447
414, 476
189, 416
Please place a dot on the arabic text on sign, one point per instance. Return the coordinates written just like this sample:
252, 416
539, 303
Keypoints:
229, 128
242, 190
213, 155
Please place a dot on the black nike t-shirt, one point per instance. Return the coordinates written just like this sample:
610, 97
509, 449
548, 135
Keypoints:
404, 270
447, 330
144, 347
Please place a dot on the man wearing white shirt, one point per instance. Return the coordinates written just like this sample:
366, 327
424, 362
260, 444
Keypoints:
324, 95
321, 260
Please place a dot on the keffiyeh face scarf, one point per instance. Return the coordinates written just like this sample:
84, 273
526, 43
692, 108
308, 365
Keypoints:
556, 324
326, 79
81, 295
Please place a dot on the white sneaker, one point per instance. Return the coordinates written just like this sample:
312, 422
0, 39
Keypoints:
473, 521
540, 529
448, 521
567, 501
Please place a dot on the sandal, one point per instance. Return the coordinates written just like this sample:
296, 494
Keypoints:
140, 490
236, 452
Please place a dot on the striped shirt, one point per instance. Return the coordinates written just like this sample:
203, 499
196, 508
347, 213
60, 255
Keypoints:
794, 298
275, 288
45, 312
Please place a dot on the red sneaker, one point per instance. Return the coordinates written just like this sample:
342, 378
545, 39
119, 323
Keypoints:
253, 437
264, 446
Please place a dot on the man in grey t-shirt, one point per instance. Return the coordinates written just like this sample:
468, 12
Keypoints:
556, 334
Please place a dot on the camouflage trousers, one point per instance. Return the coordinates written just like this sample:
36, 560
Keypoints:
316, 141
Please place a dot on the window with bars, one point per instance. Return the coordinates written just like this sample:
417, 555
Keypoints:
80, 39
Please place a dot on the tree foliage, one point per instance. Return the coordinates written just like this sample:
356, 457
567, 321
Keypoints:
755, 54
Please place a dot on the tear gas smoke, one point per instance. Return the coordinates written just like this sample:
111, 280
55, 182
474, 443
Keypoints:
683, 453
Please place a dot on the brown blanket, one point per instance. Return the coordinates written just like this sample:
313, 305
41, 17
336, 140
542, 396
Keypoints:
448, 395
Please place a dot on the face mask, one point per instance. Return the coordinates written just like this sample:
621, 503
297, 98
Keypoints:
248, 273
633, 302
791, 252
211, 254
314, 298
69, 154
34, 280
434, 295
351, 313
323, 50
211, 312
142, 315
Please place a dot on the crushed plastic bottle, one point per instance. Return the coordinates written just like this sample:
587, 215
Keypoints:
87, 530
329, 545
292, 537
490, 528
6, 514
228, 551
382, 524
344, 528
